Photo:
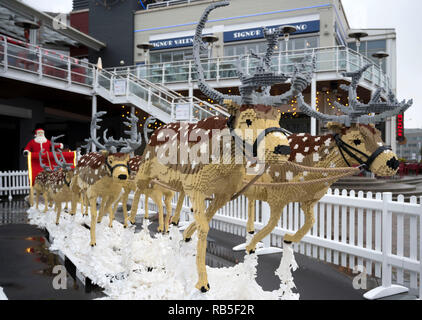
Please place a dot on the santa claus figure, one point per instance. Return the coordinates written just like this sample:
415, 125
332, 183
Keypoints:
39, 142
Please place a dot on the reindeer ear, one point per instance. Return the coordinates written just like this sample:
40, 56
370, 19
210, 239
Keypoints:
104, 153
231, 106
334, 127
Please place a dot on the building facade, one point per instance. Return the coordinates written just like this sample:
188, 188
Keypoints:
412, 150
322, 27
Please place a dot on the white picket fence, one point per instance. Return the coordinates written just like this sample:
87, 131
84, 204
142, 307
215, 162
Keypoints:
371, 233
14, 183
352, 231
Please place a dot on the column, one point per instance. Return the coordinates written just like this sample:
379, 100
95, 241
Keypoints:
313, 105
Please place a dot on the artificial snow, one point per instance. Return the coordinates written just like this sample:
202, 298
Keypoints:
131, 265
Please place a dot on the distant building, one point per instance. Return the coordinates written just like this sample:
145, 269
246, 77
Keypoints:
412, 149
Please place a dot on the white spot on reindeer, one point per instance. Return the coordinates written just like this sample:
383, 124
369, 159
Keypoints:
306, 149
326, 151
316, 148
327, 142
147, 155
96, 172
160, 135
301, 135
304, 139
296, 147
289, 175
317, 139
277, 174
316, 157
299, 157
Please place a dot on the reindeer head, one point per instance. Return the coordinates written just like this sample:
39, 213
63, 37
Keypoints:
358, 140
256, 128
116, 161
252, 113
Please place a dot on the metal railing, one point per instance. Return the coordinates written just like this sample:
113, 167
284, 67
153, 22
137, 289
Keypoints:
163, 4
34, 60
330, 59
18, 55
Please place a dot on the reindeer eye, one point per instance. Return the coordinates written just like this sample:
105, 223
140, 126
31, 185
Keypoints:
357, 142
249, 122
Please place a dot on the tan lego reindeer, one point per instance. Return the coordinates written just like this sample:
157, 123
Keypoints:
41, 183
251, 134
104, 174
354, 142
59, 182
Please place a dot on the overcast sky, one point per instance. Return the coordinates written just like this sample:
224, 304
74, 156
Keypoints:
404, 16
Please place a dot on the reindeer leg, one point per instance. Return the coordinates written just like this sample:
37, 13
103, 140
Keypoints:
123, 199
86, 202
276, 210
112, 204
37, 199
198, 203
147, 196
58, 211
250, 225
74, 203
157, 197
175, 219
135, 203
93, 205
216, 203
45, 202
167, 200
308, 209
102, 209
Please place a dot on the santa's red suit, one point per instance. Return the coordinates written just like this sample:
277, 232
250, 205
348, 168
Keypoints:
34, 147
39, 142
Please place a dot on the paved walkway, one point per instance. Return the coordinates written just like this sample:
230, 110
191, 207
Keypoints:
26, 267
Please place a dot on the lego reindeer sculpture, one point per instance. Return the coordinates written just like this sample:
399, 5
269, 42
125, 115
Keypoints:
104, 174
41, 183
354, 142
59, 182
206, 170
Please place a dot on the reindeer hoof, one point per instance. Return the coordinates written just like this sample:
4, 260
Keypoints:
205, 289
93, 244
188, 239
175, 223
287, 242
149, 269
251, 251
57, 223
125, 227
191, 210
251, 232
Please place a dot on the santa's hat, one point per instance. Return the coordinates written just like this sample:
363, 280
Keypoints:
38, 127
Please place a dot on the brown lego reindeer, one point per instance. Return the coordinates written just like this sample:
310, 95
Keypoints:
354, 142
206, 170
41, 183
59, 182
105, 173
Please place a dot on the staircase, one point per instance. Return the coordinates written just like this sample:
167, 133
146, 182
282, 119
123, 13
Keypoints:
25, 62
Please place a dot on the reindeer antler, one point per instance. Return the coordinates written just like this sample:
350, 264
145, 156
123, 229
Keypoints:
147, 129
135, 140
42, 165
94, 126
60, 162
358, 112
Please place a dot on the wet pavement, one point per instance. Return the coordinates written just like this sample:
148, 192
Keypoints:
26, 264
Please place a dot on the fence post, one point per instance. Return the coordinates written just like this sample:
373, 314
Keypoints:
387, 288
267, 249
9, 184
420, 249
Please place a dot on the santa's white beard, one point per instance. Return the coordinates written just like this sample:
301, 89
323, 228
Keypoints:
40, 139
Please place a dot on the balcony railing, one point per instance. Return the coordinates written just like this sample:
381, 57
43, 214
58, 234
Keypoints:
163, 4
331, 59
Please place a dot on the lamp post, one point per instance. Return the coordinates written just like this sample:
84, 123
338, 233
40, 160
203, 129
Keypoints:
27, 25
210, 40
145, 47
380, 55
357, 36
